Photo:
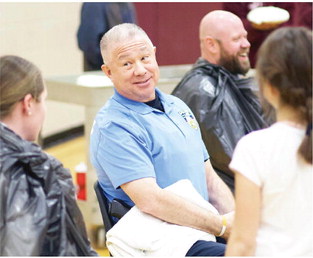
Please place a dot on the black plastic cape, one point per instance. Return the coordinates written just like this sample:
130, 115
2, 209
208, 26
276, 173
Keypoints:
38, 211
225, 107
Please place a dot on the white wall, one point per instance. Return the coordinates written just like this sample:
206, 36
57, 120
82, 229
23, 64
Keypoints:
45, 34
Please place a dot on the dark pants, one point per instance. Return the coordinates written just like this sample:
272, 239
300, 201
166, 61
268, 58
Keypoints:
207, 248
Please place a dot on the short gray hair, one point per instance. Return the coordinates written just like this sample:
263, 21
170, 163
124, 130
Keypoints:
119, 33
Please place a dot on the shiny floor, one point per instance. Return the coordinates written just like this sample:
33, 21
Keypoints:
71, 153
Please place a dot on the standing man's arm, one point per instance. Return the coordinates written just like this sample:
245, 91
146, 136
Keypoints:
92, 26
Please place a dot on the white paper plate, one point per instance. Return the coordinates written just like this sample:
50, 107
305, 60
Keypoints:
268, 14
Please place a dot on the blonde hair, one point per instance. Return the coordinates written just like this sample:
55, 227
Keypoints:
18, 77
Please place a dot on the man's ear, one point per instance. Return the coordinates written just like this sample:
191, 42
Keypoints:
154, 48
211, 44
106, 70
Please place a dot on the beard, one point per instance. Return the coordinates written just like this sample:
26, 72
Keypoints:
232, 62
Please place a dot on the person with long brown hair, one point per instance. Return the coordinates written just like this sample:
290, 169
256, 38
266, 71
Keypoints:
273, 166
38, 210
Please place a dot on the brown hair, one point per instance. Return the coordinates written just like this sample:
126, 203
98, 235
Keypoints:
18, 77
285, 62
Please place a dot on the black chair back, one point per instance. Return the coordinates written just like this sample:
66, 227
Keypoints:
104, 207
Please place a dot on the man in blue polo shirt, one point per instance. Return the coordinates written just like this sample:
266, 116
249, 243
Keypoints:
144, 140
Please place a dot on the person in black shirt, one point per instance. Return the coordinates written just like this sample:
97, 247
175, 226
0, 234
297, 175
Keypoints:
222, 99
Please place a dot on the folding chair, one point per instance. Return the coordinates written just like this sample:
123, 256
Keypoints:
104, 207
116, 209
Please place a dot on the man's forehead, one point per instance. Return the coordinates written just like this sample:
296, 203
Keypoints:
233, 31
126, 50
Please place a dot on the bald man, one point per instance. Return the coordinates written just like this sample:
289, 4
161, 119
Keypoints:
223, 41
217, 91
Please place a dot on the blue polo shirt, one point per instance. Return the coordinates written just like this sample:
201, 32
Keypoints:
131, 140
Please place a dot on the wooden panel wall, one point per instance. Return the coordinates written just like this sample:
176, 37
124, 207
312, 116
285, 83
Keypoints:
173, 28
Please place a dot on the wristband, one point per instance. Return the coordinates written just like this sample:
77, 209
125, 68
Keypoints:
224, 223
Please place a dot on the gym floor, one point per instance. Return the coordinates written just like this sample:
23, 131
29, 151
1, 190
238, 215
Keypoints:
71, 153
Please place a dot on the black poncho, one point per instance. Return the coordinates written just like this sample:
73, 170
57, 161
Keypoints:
226, 109
38, 211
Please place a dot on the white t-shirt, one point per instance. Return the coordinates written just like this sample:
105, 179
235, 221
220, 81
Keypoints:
269, 158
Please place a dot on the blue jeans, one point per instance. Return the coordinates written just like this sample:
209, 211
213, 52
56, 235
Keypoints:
207, 248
